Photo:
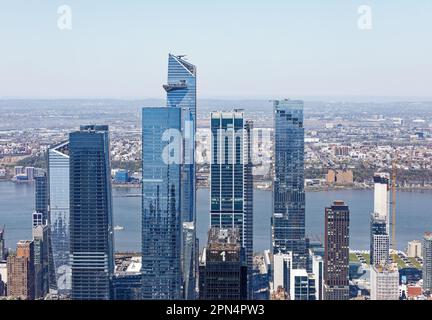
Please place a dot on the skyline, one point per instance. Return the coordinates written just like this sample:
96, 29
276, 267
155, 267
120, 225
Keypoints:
279, 49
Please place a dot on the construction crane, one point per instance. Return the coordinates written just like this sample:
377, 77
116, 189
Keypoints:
393, 201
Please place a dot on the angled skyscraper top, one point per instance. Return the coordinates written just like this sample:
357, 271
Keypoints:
181, 93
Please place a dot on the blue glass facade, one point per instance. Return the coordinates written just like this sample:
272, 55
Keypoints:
58, 181
231, 191
41, 195
161, 204
181, 93
91, 227
288, 221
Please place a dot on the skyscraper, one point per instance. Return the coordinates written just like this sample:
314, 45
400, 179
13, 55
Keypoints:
382, 197
41, 260
231, 190
379, 241
288, 221
161, 203
91, 227
282, 266
336, 256
58, 181
20, 271
41, 195
2, 244
224, 273
427, 261
181, 93
384, 282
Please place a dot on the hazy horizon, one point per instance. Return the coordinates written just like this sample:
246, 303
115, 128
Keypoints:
244, 49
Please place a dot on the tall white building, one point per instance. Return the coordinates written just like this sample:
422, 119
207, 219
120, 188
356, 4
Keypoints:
384, 282
282, 263
382, 197
318, 271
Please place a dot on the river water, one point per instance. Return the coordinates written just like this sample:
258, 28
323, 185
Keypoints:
414, 215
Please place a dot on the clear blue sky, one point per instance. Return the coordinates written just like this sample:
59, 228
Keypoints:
243, 48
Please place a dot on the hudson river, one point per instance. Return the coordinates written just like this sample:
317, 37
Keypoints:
414, 215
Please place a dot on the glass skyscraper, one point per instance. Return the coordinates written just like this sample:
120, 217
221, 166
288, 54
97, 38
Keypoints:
91, 227
161, 203
58, 186
181, 93
288, 221
41, 195
231, 189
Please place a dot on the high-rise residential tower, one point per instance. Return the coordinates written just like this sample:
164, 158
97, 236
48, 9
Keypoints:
336, 255
161, 203
382, 197
181, 93
231, 181
91, 226
288, 221
379, 241
427, 261
58, 189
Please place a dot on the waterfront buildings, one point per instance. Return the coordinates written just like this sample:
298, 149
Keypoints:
288, 221
59, 215
379, 241
427, 262
384, 283
20, 271
231, 189
223, 268
161, 203
336, 256
91, 226
181, 94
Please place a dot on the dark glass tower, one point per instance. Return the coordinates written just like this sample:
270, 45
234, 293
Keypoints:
223, 269
288, 221
336, 256
181, 93
41, 195
161, 203
91, 227
231, 192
